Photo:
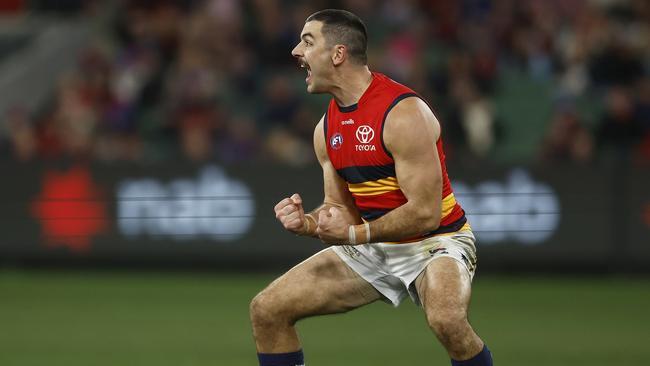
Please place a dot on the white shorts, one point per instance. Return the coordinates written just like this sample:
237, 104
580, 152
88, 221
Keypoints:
393, 268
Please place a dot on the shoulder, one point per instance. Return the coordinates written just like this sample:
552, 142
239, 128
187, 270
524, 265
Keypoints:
393, 89
410, 120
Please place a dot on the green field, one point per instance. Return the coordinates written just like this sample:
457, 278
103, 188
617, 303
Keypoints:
126, 318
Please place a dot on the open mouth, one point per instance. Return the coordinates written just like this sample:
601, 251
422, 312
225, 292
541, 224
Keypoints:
305, 65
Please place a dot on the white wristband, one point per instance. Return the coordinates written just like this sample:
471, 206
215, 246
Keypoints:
352, 235
367, 226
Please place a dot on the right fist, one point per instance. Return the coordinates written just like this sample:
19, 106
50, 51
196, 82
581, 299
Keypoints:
291, 214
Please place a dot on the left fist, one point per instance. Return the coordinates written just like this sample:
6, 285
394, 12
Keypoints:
332, 226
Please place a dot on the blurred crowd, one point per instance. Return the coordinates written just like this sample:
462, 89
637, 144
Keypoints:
214, 79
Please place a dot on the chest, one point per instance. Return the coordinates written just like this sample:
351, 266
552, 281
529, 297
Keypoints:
356, 139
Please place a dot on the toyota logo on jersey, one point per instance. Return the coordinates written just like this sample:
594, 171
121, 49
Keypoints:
365, 134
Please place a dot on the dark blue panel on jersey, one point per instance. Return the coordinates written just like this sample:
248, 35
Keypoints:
451, 228
360, 174
370, 215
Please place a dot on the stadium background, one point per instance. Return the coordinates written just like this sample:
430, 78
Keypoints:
143, 145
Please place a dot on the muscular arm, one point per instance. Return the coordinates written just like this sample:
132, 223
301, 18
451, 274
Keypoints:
410, 134
336, 192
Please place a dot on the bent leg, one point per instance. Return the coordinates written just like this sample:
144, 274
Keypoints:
322, 284
445, 289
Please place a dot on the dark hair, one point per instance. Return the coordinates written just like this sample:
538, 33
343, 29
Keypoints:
343, 27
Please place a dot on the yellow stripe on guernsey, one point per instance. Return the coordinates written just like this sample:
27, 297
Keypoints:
380, 186
374, 187
448, 204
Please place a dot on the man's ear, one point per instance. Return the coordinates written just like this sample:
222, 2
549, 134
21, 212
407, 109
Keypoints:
339, 54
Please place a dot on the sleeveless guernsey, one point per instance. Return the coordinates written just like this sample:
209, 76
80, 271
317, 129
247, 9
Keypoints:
355, 146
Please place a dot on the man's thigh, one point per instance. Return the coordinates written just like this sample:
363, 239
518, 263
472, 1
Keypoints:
322, 284
445, 285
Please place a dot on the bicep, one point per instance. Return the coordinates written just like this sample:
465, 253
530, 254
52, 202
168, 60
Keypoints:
410, 133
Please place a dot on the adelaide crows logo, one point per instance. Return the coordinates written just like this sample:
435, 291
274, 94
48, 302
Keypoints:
336, 141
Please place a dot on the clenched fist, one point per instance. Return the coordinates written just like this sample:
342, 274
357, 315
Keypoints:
333, 226
292, 216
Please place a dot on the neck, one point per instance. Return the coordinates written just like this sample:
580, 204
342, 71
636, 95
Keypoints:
349, 85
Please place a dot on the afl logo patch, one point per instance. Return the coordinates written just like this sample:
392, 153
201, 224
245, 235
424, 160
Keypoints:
336, 141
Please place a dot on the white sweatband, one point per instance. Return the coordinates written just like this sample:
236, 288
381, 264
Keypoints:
352, 235
367, 226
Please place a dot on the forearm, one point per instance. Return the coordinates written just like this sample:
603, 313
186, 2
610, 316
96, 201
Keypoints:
406, 221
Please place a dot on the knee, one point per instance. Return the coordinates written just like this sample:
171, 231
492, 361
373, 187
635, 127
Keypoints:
448, 325
266, 310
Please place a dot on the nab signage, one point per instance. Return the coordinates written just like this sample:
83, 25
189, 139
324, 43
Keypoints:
211, 205
518, 210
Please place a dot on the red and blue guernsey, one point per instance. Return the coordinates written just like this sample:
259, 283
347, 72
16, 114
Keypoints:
355, 145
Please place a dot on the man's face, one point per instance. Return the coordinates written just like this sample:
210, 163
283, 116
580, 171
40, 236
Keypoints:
315, 56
